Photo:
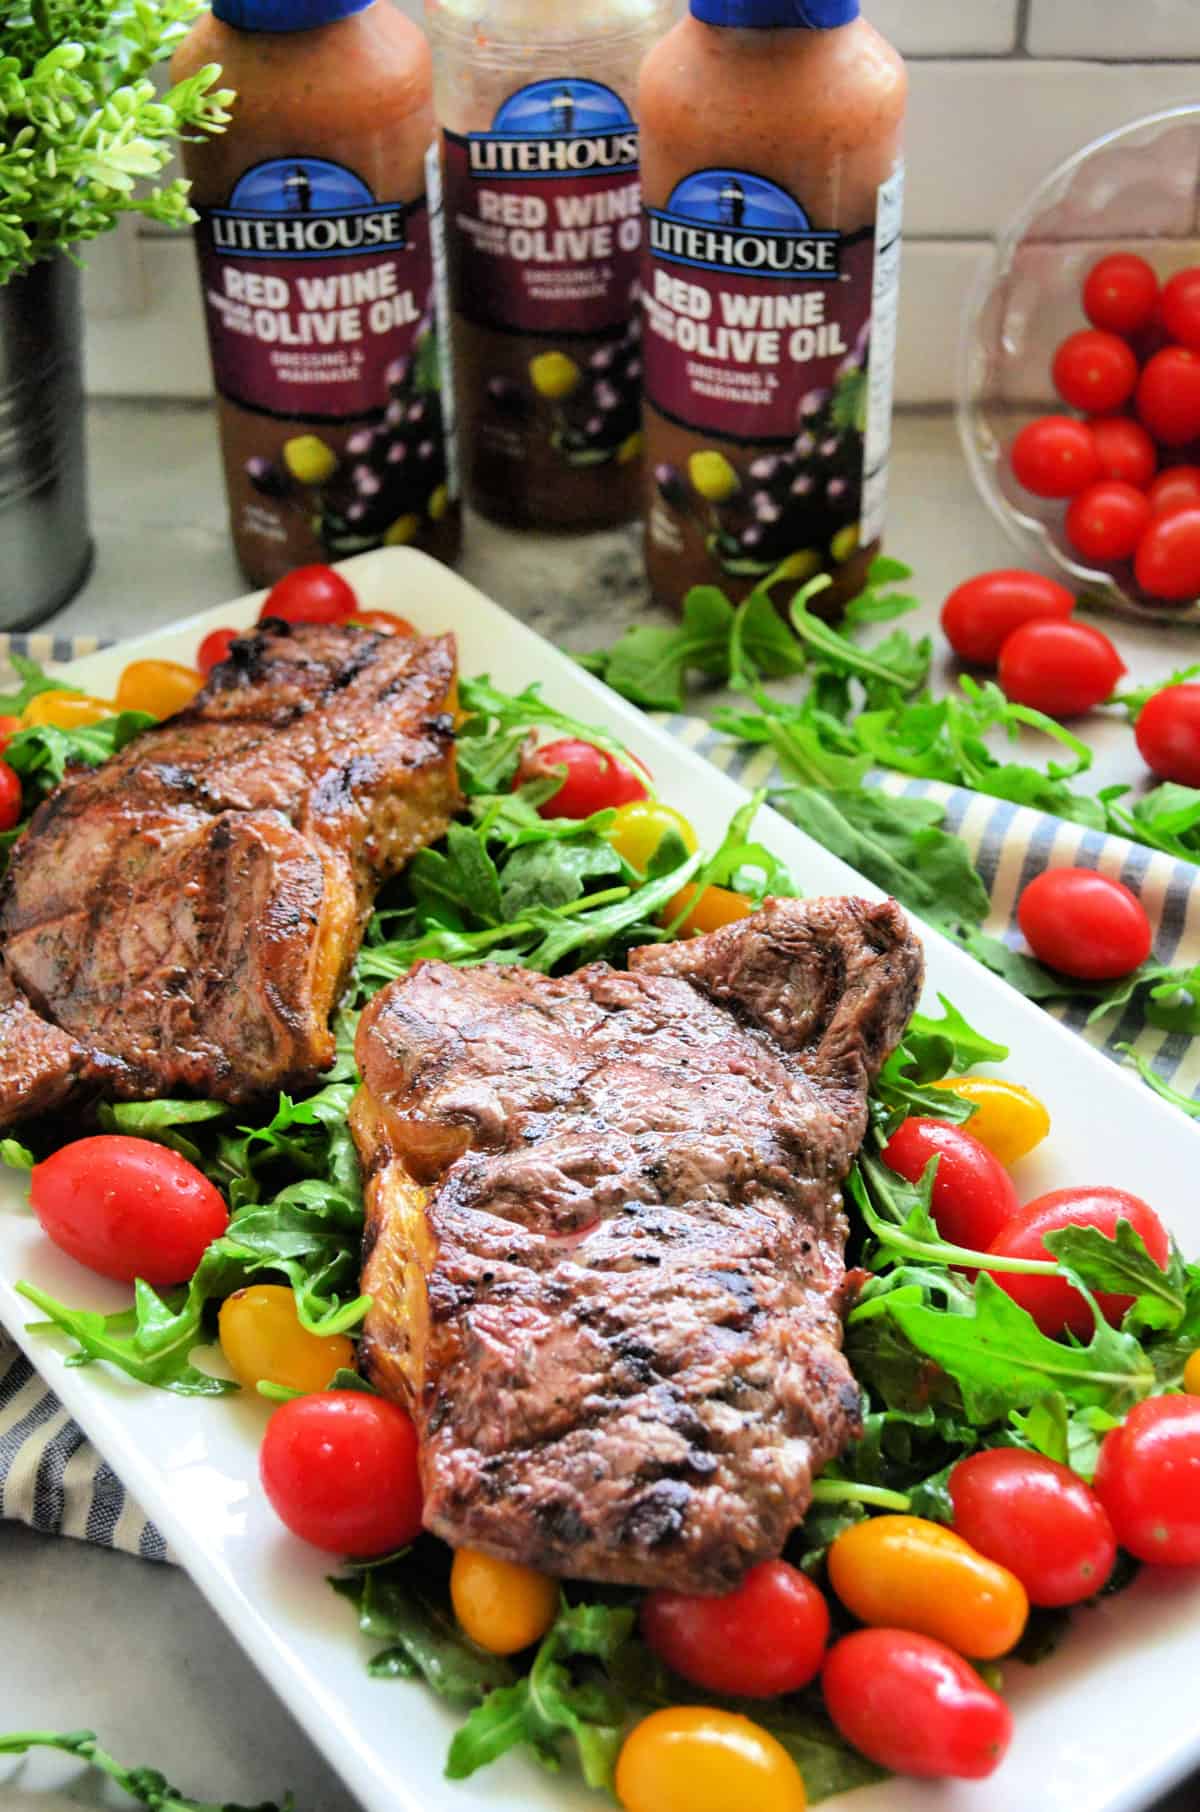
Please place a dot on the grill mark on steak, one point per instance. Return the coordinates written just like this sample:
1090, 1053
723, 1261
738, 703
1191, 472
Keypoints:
605, 1236
185, 917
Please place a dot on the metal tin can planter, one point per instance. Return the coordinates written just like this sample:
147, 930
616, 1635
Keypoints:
45, 544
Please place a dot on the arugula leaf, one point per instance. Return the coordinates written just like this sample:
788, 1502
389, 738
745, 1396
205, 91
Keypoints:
760, 643
15, 1155
899, 662
42, 753
1135, 701
309, 1232
800, 737
1123, 1266
522, 710
487, 763
650, 664
967, 1047
1001, 1361
552, 873
1045, 1426
144, 1785
931, 1050
562, 1697
159, 1120
158, 1360
33, 680
404, 1603
1149, 1075
461, 879
896, 843
595, 931
746, 867
1173, 1001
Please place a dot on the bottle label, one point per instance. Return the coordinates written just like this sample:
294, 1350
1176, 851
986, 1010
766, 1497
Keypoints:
759, 337
312, 289
544, 212
322, 320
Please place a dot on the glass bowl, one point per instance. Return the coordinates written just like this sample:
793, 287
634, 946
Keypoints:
1138, 190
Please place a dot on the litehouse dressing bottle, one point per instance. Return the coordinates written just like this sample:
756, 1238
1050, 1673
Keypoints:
773, 184
543, 228
317, 268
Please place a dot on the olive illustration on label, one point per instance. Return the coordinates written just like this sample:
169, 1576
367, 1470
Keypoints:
309, 459
554, 376
713, 478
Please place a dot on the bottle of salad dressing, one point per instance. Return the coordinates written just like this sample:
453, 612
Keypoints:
317, 265
773, 183
543, 230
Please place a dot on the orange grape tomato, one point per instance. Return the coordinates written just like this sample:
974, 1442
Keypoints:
385, 620
160, 687
903, 1572
265, 1341
8, 728
707, 909
66, 710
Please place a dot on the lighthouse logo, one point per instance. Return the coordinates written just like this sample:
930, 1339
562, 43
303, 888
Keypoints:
732, 219
304, 207
559, 127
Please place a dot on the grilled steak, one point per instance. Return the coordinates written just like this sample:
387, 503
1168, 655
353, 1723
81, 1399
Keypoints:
605, 1236
186, 915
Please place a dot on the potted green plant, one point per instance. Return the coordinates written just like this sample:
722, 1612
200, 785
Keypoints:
83, 137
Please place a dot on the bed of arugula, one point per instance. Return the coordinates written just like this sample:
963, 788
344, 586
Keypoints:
948, 1364
866, 709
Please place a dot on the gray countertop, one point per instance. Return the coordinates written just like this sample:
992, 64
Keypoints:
91, 1638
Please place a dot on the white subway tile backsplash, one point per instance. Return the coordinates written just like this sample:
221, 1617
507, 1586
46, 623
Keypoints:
160, 351
982, 135
934, 284
1114, 28
946, 27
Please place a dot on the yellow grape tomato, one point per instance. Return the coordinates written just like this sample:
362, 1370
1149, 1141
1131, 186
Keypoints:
66, 710
1008, 1119
639, 827
265, 1341
158, 687
692, 1758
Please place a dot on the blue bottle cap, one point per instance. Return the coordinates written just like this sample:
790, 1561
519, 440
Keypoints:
749, 15
284, 15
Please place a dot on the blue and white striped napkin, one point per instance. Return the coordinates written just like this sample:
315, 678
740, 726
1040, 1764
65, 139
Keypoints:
51, 1478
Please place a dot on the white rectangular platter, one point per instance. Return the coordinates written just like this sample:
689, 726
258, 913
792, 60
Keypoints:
1104, 1726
